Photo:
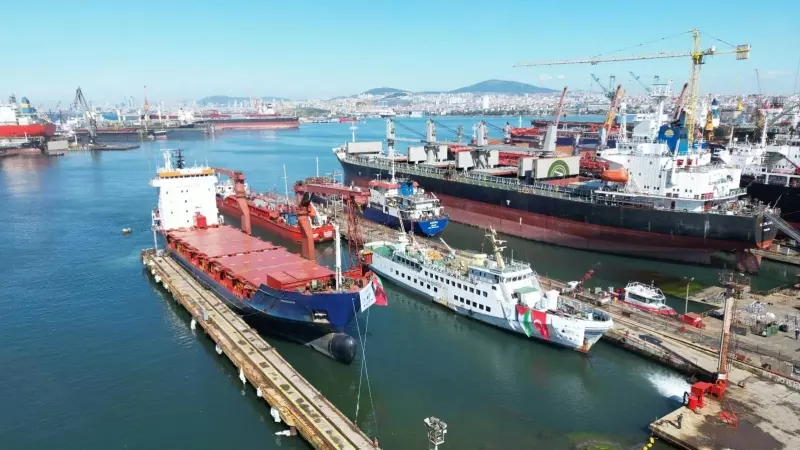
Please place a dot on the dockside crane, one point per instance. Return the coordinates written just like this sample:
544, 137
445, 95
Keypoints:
697, 55
679, 102
608, 91
91, 123
353, 198
648, 89
240, 193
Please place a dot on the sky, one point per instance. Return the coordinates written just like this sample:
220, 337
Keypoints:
186, 50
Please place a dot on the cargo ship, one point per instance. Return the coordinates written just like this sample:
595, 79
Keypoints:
273, 213
491, 289
770, 172
668, 205
20, 122
403, 204
264, 119
278, 291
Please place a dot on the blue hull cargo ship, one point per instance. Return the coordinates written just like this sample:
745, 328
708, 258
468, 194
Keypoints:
297, 298
392, 203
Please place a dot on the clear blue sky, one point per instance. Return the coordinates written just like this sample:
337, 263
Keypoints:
307, 49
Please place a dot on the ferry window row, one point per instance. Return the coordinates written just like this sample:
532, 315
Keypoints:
471, 303
414, 280
408, 262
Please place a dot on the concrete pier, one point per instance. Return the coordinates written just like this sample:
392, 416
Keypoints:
299, 404
761, 415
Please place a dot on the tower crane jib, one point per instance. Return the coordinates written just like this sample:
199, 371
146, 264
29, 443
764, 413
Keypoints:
697, 56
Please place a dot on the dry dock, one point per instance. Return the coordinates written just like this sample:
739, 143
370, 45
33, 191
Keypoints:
300, 405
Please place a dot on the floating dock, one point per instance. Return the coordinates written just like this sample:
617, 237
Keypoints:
299, 404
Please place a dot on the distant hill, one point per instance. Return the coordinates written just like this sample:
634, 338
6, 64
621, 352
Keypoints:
224, 99
383, 91
484, 87
502, 87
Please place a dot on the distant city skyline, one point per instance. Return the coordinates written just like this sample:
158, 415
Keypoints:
184, 51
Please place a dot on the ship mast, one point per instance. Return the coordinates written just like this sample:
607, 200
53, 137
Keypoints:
497, 247
390, 138
285, 185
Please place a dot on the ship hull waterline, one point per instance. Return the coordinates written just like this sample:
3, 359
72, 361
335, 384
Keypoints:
430, 228
571, 233
786, 198
591, 335
325, 338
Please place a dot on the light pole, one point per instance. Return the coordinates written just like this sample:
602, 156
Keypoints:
688, 283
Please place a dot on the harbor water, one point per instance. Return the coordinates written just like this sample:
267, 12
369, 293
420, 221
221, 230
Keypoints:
95, 355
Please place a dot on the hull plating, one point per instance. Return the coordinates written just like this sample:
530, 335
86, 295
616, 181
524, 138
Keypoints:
424, 228
289, 312
662, 234
591, 335
292, 233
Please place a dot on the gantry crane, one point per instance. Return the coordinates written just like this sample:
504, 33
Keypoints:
647, 88
609, 91
697, 55
240, 194
91, 122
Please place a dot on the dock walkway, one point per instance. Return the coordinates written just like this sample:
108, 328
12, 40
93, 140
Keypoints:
300, 405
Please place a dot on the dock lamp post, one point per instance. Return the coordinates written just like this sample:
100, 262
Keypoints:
688, 283
436, 431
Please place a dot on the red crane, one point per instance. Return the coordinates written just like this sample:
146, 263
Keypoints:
240, 193
353, 198
559, 108
588, 275
679, 102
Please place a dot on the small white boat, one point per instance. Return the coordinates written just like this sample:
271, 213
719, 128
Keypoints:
647, 298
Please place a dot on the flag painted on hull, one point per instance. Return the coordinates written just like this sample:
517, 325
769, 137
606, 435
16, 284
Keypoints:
381, 298
531, 319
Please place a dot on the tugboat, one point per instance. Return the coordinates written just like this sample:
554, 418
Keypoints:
647, 298
493, 290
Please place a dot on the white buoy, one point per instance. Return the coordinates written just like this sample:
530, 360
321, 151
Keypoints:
218, 349
152, 271
158, 279
241, 376
259, 394
193, 324
276, 415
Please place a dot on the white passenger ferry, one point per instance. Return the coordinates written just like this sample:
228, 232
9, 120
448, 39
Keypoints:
506, 294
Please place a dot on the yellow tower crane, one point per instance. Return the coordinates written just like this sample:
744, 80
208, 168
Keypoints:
697, 55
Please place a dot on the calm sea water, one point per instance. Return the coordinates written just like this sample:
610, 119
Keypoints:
95, 356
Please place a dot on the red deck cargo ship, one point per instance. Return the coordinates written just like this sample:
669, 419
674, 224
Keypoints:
272, 213
292, 296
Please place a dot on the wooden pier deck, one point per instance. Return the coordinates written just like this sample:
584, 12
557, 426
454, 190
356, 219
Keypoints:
300, 405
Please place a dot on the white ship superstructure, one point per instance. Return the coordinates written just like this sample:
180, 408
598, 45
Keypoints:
655, 167
503, 293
